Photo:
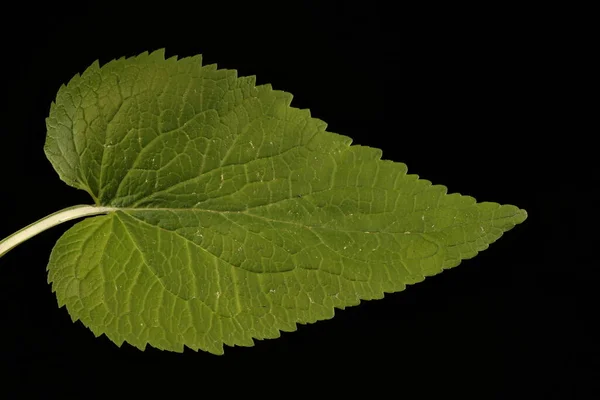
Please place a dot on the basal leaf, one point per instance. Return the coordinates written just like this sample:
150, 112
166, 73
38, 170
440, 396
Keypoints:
235, 216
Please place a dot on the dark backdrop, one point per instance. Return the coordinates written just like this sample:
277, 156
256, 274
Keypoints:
459, 94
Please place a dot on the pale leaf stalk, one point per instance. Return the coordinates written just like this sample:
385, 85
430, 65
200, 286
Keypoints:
48, 222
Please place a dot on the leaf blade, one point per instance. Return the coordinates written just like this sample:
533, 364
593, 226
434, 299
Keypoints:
243, 219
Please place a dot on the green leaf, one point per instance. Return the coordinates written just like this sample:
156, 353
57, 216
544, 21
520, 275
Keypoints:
235, 215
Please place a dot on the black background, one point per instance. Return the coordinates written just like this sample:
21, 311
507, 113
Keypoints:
463, 96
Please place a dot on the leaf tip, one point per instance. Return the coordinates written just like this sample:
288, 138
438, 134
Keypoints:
521, 216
